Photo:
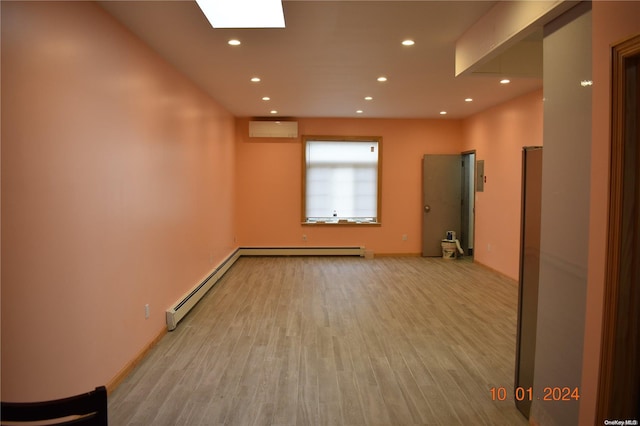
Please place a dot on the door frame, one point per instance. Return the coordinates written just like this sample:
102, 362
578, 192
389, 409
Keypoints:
463, 154
527, 290
611, 387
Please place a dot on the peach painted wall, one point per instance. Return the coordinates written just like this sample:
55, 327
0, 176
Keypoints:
269, 174
613, 22
117, 191
498, 136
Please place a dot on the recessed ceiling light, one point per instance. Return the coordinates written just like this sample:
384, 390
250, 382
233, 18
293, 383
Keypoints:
243, 14
234, 42
443, 112
359, 111
505, 81
368, 98
266, 98
408, 42
273, 111
382, 78
468, 100
255, 79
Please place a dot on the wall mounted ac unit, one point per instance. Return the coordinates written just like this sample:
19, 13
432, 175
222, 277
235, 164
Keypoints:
273, 129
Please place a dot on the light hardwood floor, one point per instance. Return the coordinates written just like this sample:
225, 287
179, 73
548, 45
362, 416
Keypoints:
334, 341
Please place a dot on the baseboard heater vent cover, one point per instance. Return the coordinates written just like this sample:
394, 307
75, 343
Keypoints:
181, 308
189, 300
302, 251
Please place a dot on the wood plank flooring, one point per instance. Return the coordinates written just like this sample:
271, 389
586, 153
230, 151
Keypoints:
334, 341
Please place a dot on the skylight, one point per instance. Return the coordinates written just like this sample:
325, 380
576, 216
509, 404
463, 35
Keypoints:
243, 13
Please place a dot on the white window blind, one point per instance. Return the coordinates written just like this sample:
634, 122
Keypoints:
341, 180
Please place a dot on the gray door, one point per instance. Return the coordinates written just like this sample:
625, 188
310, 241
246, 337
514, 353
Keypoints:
441, 196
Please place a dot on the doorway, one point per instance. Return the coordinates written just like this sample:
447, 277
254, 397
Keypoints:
468, 201
448, 192
619, 390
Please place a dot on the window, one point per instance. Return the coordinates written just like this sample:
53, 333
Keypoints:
341, 180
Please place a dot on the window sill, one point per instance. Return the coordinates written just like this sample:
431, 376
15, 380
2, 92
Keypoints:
341, 223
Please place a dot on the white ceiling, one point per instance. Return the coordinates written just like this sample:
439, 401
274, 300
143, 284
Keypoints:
328, 57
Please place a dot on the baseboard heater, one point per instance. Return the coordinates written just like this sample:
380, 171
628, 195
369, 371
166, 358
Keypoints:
189, 300
302, 251
181, 308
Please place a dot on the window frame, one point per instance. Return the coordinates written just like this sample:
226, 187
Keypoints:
341, 222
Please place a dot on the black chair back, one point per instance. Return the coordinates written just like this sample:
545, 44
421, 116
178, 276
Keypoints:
85, 409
